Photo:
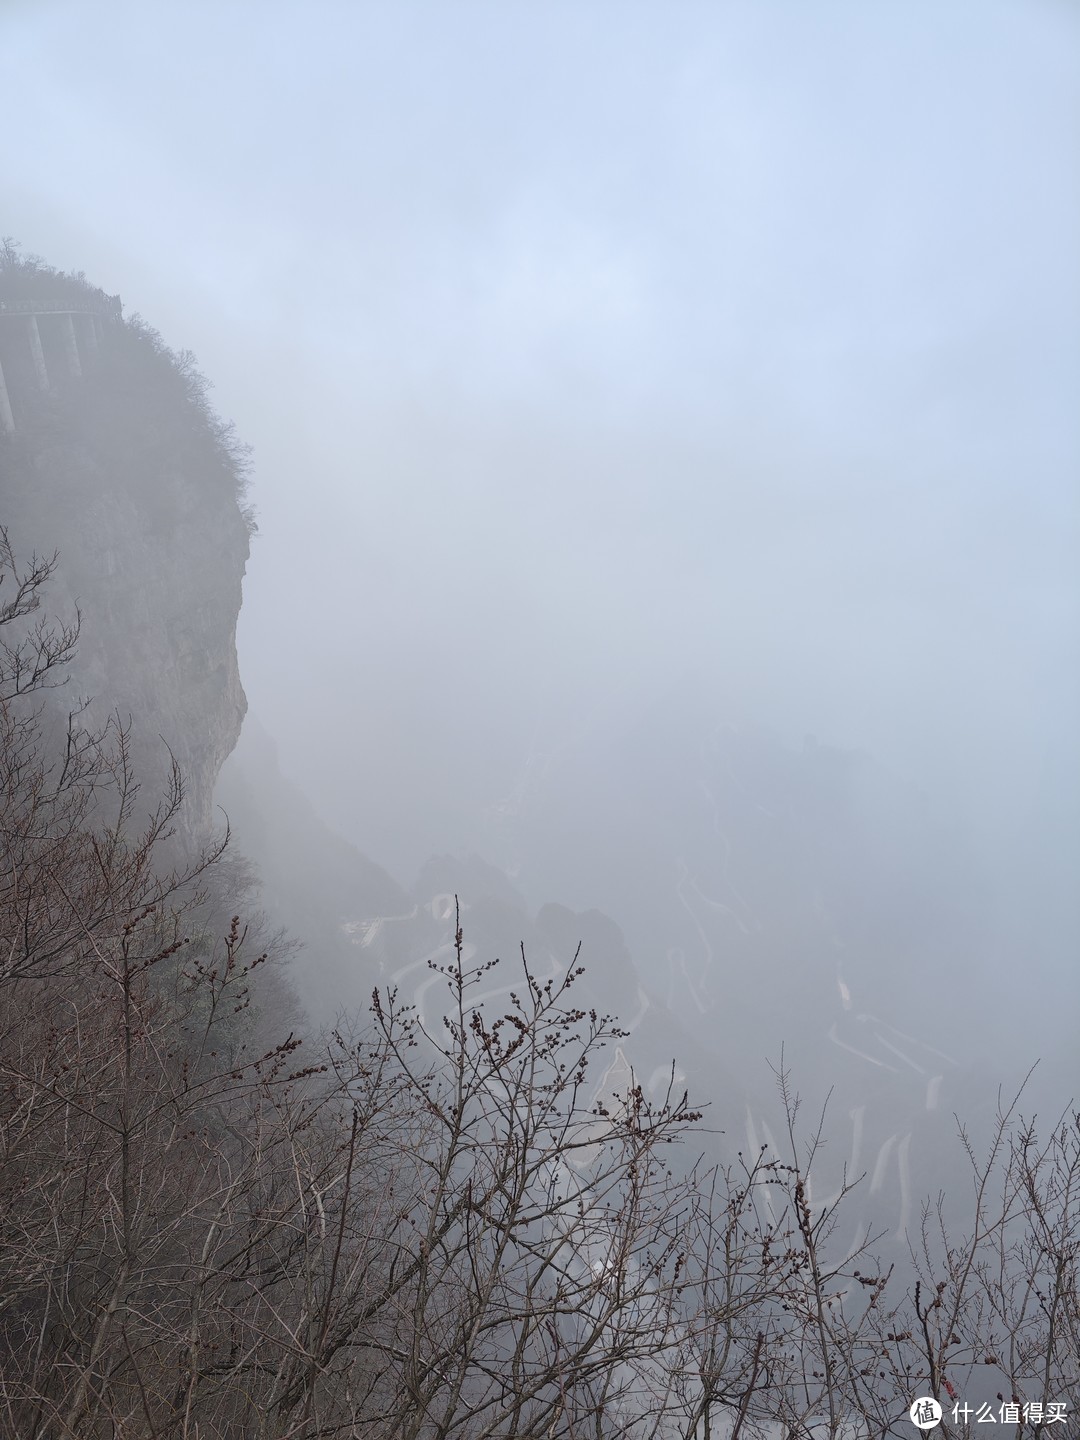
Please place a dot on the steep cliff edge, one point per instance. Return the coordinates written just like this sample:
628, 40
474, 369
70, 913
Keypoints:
111, 455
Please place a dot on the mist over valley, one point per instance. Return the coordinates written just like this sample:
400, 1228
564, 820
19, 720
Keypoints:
575, 487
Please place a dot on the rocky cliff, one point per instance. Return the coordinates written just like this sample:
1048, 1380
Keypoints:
112, 456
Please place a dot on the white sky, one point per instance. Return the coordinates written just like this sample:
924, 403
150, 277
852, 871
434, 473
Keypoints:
583, 345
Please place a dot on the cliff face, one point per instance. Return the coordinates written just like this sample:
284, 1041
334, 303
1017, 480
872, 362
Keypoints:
114, 458
159, 636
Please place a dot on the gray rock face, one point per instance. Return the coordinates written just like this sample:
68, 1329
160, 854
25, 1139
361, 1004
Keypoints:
126, 472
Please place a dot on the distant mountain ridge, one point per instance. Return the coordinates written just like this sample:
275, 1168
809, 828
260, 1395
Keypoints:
748, 899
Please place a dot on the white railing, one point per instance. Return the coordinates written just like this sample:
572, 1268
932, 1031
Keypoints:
108, 305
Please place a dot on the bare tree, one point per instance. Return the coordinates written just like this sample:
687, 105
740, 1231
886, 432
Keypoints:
206, 1232
985, 1321
33, 656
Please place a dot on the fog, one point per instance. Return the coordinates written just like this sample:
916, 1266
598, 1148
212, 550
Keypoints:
606, 359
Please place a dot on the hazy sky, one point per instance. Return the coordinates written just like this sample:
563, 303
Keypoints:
585, 346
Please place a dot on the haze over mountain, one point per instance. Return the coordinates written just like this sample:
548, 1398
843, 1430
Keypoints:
665, 459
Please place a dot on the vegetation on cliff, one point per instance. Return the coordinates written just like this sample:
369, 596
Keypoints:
138, 403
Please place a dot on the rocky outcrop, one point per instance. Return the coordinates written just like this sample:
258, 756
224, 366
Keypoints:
125, 471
